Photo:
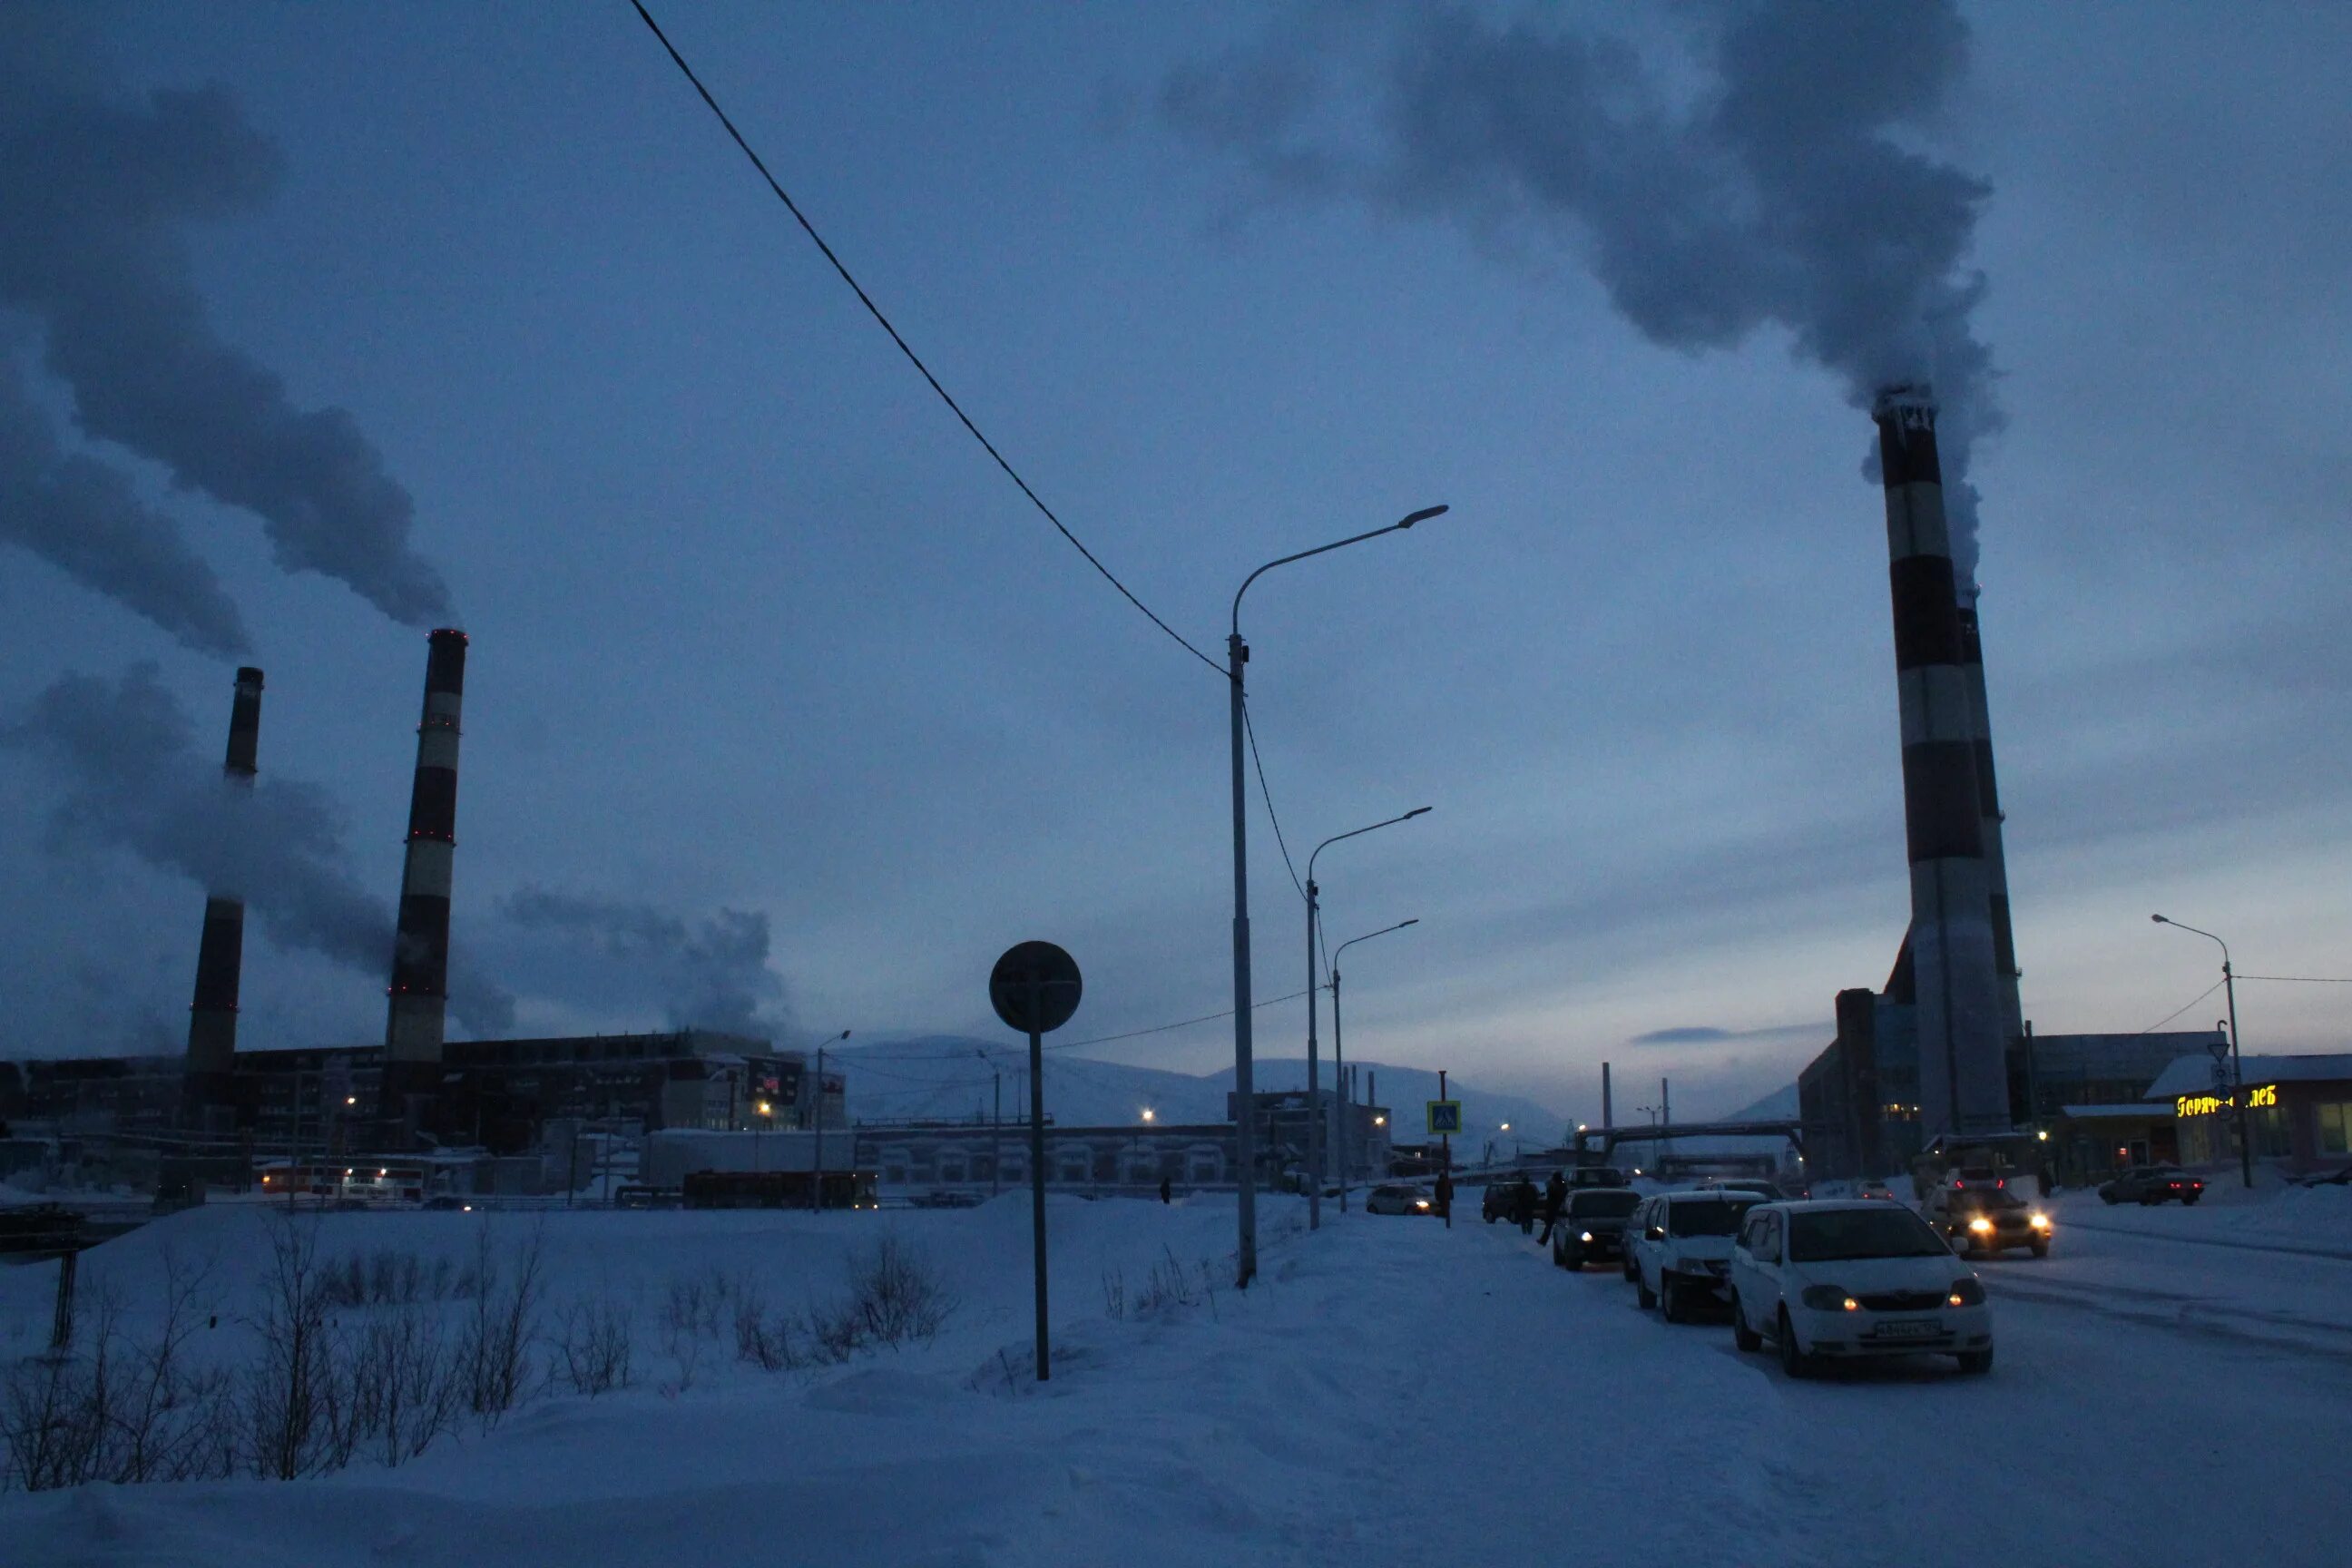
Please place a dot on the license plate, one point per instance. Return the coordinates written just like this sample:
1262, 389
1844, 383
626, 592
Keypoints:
1910, 1330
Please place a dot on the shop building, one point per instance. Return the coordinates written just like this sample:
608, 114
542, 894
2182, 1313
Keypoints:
2298, 1113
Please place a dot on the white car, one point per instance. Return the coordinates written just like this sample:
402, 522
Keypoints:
1398, 1199
1845, 1280
1678, 1247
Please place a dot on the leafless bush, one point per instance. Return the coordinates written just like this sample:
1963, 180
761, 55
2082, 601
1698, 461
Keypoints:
1168, 1286
897, 1296
398, 1388
594, 1345
1114, 1289
494, 1346
288, 1396
386, 1278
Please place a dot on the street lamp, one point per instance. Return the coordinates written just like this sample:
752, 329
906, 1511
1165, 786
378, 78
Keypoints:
1339, 1047
1245, 1089
2236, 1062
816, 1155
1149, 1114
1338, 1063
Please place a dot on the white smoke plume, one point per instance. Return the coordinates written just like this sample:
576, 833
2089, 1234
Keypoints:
134, 778
712, 974
97, 186
1767, 173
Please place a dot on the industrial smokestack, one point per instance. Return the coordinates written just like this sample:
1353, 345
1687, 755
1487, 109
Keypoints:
2004, 939
243, 727
420, 954
220, 954
1963, 1072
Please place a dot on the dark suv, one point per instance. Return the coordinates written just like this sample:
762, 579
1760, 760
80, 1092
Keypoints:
1593, 1225
1495, 1202
2153, 1184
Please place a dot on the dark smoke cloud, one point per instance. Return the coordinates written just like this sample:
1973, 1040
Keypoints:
1762, 179
96, 185
134, 778
85, 517
712, 974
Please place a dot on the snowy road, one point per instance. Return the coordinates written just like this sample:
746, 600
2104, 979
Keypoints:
1391, 1392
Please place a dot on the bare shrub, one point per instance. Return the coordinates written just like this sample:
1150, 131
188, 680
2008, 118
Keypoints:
896, 1295
1114, 1289
398, 1387
287, 1394
494, 1346
594, 1343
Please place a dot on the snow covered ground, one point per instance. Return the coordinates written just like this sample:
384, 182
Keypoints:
1390, 1392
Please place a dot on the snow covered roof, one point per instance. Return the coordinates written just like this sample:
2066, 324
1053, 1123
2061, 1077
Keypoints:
2194, 1074
2138, 1110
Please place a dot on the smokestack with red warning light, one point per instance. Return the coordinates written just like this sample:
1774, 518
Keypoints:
220, 954
420, 955
1963, 1068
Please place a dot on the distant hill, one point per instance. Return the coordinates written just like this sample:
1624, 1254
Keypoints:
948, 1076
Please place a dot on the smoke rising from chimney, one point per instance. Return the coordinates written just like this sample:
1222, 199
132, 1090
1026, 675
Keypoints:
1763, 179
135, 778
97, 186
713, 974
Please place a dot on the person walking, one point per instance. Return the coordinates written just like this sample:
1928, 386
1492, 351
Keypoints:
1166, 1191
1555, 1198
1523, 1205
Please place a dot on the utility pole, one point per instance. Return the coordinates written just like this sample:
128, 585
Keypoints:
1606, 1113
996, 1123
816, 1172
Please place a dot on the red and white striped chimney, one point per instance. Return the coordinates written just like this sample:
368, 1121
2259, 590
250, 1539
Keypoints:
1963, 1065
220, 954
420, 952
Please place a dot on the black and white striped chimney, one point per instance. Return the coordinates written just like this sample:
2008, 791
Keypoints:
420, 954
1963, 1068
2004, 938
220, 953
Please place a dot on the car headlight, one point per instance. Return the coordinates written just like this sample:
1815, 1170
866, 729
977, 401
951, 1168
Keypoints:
1829, 1298
1586, 1236
2040, 1222
1421, 1203
1966, 1291
1981, 1225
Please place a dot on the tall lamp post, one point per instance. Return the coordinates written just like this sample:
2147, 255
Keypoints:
1245, 1091
2236, 1062
1338, 1045
1315, 1117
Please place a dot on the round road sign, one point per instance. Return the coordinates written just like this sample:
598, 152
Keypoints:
1039, 969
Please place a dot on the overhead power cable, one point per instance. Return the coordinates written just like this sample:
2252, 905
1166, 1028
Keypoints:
2303, 979
1163, 1028
1249, 728
904, 347
2182, 1008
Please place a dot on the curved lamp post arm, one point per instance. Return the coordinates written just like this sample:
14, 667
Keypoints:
1392, 822
1423, 515
2209, 936
1368, 936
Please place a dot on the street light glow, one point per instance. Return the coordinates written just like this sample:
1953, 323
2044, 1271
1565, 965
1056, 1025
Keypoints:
1148, 1113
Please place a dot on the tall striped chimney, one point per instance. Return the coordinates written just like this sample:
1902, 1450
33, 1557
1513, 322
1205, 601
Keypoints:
220, 954
420, 947
1963, 1068
2004, 939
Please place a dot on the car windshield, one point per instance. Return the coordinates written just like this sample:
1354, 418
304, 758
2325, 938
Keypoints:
1827, 1235
1709, 1216
1604, 1206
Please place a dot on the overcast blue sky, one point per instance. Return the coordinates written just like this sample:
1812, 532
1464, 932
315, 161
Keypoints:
782, 706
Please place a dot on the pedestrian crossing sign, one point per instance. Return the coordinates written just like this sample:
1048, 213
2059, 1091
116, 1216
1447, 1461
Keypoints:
1444, 1117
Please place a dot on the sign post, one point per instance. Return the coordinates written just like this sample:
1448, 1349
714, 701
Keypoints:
1445, 1121
1034, 988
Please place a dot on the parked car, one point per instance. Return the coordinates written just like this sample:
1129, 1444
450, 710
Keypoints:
1679, 1246
1973, 1219
1496, 1204
1594, 1176
1397, 1198
2152, 1184
1763, 1189
1593, 1226
1877, 1189
1840, 1279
